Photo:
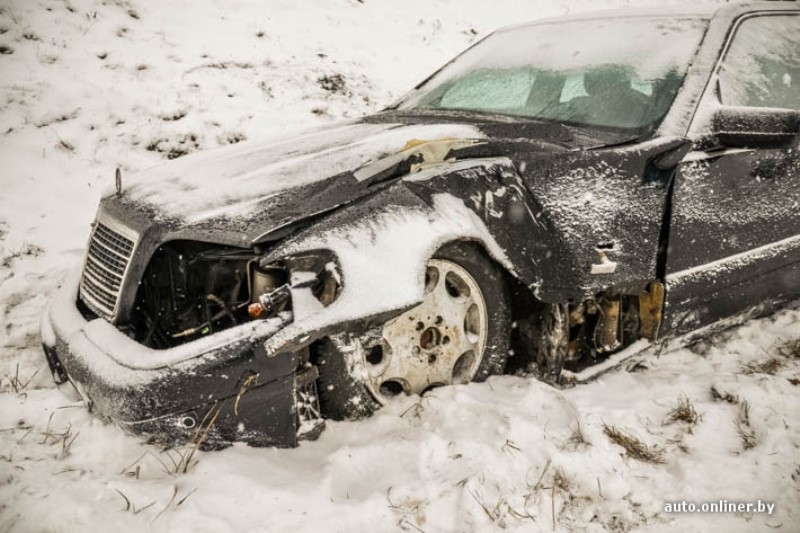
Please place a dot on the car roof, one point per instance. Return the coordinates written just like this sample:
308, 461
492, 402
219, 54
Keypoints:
701, 11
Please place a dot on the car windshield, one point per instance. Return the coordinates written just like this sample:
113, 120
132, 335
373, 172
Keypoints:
620, 74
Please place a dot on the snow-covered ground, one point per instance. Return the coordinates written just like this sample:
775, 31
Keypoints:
89, 85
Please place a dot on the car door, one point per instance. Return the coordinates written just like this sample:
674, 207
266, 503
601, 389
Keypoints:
734, 228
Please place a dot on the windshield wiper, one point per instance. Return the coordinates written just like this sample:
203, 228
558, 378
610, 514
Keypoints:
603, 138
466, 113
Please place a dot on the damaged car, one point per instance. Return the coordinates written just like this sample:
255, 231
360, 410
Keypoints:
562, 192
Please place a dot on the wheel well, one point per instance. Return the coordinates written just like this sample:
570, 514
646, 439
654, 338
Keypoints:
547, 338
593, 328
523, 304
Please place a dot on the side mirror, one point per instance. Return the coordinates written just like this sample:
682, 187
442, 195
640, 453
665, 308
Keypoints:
756, 127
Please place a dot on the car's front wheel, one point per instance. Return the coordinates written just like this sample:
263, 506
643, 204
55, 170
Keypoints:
459, 333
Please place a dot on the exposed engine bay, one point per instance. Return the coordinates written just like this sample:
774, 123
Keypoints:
192, 289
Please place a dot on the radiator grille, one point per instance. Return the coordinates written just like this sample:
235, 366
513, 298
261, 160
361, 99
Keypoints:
104, 270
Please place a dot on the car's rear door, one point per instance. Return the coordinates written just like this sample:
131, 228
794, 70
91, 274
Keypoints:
734, 236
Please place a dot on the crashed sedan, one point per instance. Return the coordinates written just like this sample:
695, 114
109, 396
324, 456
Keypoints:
561, 192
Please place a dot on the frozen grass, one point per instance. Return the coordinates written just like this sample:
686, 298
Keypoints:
684, 412
635, 448
26, 250
743, 427
723, 396
17, 383
577, 438
771, 366
789, 349
776, 358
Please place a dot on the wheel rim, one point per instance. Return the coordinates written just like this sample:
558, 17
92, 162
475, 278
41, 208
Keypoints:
439, 342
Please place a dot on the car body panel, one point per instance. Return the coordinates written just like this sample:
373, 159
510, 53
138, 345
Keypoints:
734, 235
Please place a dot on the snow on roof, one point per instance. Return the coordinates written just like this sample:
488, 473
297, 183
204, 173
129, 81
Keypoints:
704, 10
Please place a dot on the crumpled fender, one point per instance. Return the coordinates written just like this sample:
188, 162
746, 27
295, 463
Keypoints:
382, 246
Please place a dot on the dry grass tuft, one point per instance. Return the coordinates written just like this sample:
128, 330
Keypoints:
636, 448
411, 511
723, 396
182, 459
789, 349
200, 436
65, 438
27, 250
578, 439
17, 383
780, 356
746, 432
131, 507
560, 480
684, 412
768, 366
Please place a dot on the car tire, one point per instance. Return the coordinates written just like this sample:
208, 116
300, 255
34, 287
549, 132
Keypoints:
347, 385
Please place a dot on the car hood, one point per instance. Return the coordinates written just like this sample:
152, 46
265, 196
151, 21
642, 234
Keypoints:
241, 194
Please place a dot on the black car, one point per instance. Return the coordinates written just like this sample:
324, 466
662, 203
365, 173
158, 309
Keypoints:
561, 191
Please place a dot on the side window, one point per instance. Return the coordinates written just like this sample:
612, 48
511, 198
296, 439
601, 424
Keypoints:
762, 65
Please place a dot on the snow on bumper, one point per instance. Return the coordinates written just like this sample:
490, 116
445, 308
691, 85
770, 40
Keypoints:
167, 394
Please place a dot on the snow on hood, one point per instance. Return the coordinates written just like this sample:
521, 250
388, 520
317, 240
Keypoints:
233, 181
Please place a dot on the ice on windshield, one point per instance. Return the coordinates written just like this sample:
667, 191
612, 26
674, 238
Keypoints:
620, 73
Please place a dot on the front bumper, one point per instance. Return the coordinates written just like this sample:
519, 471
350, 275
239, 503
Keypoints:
216, 390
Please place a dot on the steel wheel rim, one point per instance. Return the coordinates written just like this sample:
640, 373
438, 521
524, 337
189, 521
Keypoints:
439, 342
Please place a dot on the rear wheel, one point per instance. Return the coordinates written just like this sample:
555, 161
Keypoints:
459, 333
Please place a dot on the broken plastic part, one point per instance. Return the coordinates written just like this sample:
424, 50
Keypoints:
604, 266
608, 335
417, 154
651, 303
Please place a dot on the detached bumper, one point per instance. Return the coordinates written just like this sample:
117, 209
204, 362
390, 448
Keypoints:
220, 389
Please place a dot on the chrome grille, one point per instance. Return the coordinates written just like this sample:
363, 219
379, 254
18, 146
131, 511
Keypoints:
104, 269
